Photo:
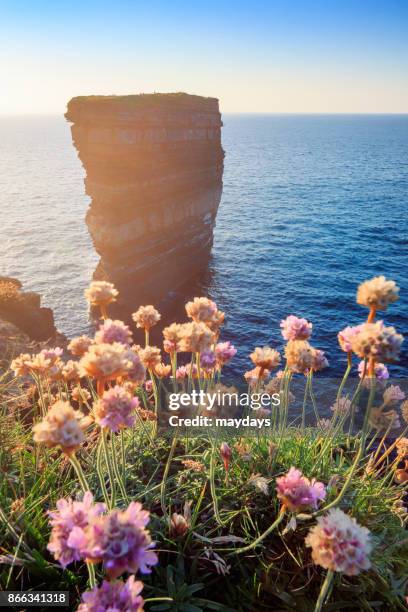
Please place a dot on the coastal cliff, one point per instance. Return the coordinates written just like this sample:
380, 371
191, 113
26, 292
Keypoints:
154, 166
23, 310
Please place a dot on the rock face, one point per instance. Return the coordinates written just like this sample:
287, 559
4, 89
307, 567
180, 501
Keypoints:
23, 310
154, 166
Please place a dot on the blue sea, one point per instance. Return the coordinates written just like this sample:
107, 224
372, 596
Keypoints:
312, 205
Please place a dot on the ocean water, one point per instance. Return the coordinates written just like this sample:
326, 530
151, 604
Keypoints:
311, 206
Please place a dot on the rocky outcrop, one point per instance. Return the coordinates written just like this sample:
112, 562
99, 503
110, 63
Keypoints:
23, 310
154, 166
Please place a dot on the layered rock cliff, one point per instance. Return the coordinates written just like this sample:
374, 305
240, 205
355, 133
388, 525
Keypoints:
154, 166
23, 310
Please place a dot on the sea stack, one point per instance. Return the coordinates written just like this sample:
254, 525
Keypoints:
154, 166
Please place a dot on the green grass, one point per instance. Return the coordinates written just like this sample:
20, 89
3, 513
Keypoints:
200, 571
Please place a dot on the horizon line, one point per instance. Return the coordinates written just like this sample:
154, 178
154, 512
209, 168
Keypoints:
281, 113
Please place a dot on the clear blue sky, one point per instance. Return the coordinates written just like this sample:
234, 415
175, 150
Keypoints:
276, 56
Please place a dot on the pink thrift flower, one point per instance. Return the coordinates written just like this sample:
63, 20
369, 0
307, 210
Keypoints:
380, 371
297, 492
192, 369
116, 596
115, 409
393, 394
294, 328
149, 385
181, 373
68, 515
346, 336
136, 371
339, 543
224, 352
319, 360
118, 539
207, 360
52, 354
113, 331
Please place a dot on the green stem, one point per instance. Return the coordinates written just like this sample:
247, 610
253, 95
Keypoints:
165, 476
109, 466
156, 400
100, 473
346, 485
264, 535
79, 472
354, 400
368, 411
81, 477
345, 377
304, 404
173, 360
312, 397
123, 451
212, 487
117, 473
324, 590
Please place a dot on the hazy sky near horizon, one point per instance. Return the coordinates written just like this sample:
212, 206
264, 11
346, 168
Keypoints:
258, 56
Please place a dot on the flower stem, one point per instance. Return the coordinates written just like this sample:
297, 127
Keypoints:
346, 485
371, 315
100, 474
304, 404
85, 487
109, 466
117, 473
324, 590
264, 535
79, 472
345, 377
212, 487
156, 400
123, 451
165, 476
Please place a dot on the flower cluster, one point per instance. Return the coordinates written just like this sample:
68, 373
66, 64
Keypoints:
345, 337
339, 543
265, 358
78, 346
62, 426
224, 352
68, 515
380, 371
297, 492
113, 331
195, 337
172, 335
119, 540
208, 360
295, 328
299, 356
393, 394
377, 341
115, 409
150, 356
377, 293
46, 363
146, 317
341, 406
114, 596
201, 309
101, 293
105, 361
